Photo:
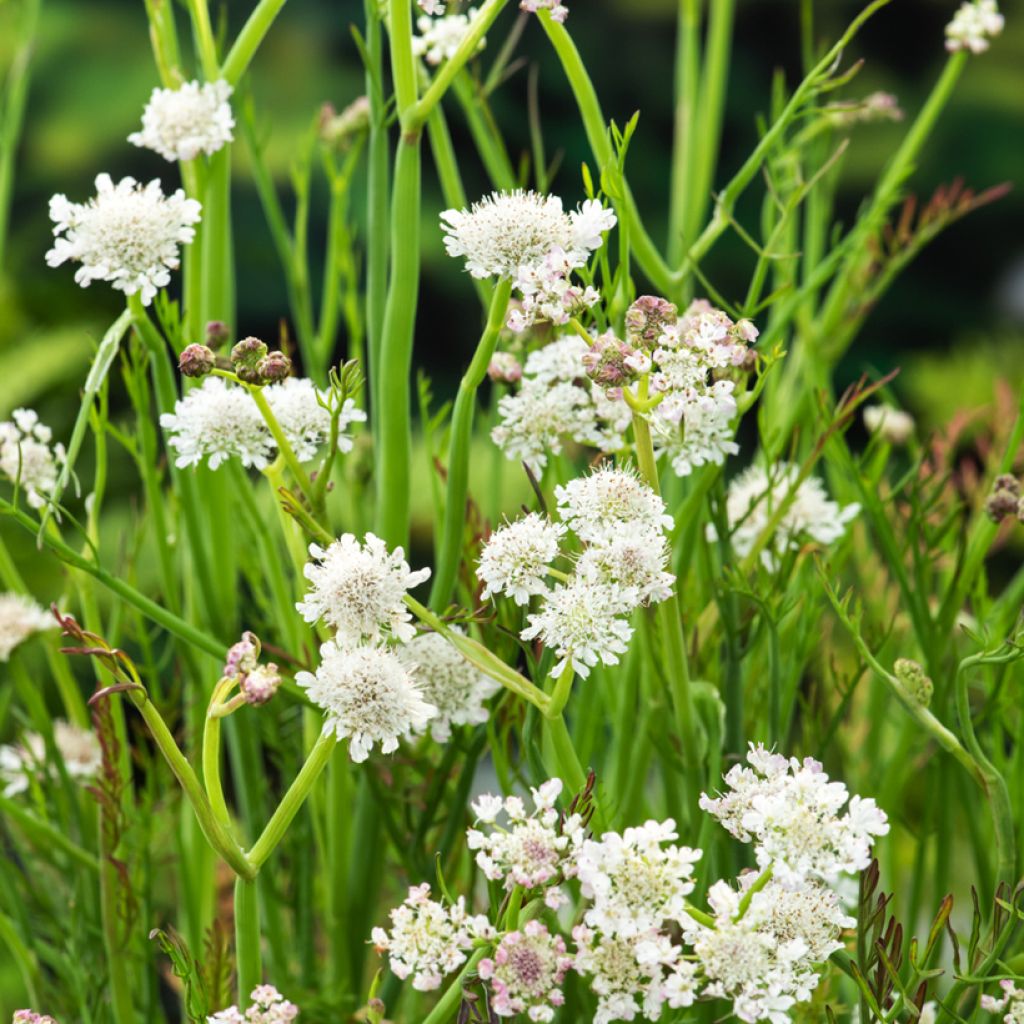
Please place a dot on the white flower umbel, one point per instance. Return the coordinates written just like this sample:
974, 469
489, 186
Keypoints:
181, 123
358, 589
792, 813
892, 425
1011, 1001
531, 849
439, 37
559, 12
428, 939
368, 695
525, 973
975, 23
432, 7
633, 561
20, 618
585, 624
216, 422
447, 680
604, 503
633, 975
508, 231
516, 557
27, 456
754, 497
267, 1006
296, 404
636, 880
128, 234
78, 749
765, 960
708, 434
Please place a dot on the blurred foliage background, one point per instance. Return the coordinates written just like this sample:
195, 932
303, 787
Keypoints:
953, 322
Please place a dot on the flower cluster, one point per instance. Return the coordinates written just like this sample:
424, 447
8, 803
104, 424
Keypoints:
559, 12
428, 939
219, 421
533, 850
975, 23
753, 501
620, 524
20, 618
790, 811
181, 123
256, 683
892, 425
638, 940
529, 239
268, 1006
556, 401
78, 749
1012, 1002
438, 38
27, 457
31, 1017
128, 234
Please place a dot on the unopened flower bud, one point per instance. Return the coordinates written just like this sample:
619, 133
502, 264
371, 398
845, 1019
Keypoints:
606, 361
647, 318
918, 686
341, 129
274, 366
891, 425
245, 358
217, 333
504, 368
196, 360
1004, 501
259, 685
243, 656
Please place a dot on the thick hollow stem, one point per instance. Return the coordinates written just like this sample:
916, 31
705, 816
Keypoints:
247, 938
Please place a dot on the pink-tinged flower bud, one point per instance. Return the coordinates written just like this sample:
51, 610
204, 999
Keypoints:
274, 367
260, 684
1000, 505
196, 360
245, 358
243, 656
504, 368
217, 333
607, 361
647, 318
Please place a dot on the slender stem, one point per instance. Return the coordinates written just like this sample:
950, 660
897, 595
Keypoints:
561, 692
203, 31
249, 39
247, 938
283, 444
110, 917
45, 834
449, 1002
292, 800
759, 883
460, 440
566, 758
685, 139
211, 753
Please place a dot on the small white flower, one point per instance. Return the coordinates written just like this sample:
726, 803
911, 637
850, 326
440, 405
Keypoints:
439, 38
585, 624
893, 425
20, 618
358, 589
791, 812
559, 12
181, 123
27, 457
433, 7
516, 557
128, 234
636, 882
755, 495
601, 505
447, 680
1012, 1001
427, 939
368, 695
634, 561
508, 231
268, 1006
974, 24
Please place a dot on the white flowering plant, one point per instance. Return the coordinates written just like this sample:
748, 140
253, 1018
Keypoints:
658, 672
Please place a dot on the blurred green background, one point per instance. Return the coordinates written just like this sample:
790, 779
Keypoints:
953, 322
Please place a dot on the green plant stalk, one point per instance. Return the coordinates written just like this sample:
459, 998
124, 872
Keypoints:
12, 116
449, 1002
394, 447
217, 278
249, 39
670, 627
247, 938
164, 40
216, 834
117, 962
44, 834
283, 444
566, 759
685, 138
292, 800
202, 30
211, 755
460, 440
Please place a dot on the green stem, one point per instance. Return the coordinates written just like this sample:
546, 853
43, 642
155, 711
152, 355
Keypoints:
685, 138
394, 448
211, 754
292, 800
281, 439
247, 938
449, 1002
249, 39
203, 31
460, 440
44, 834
